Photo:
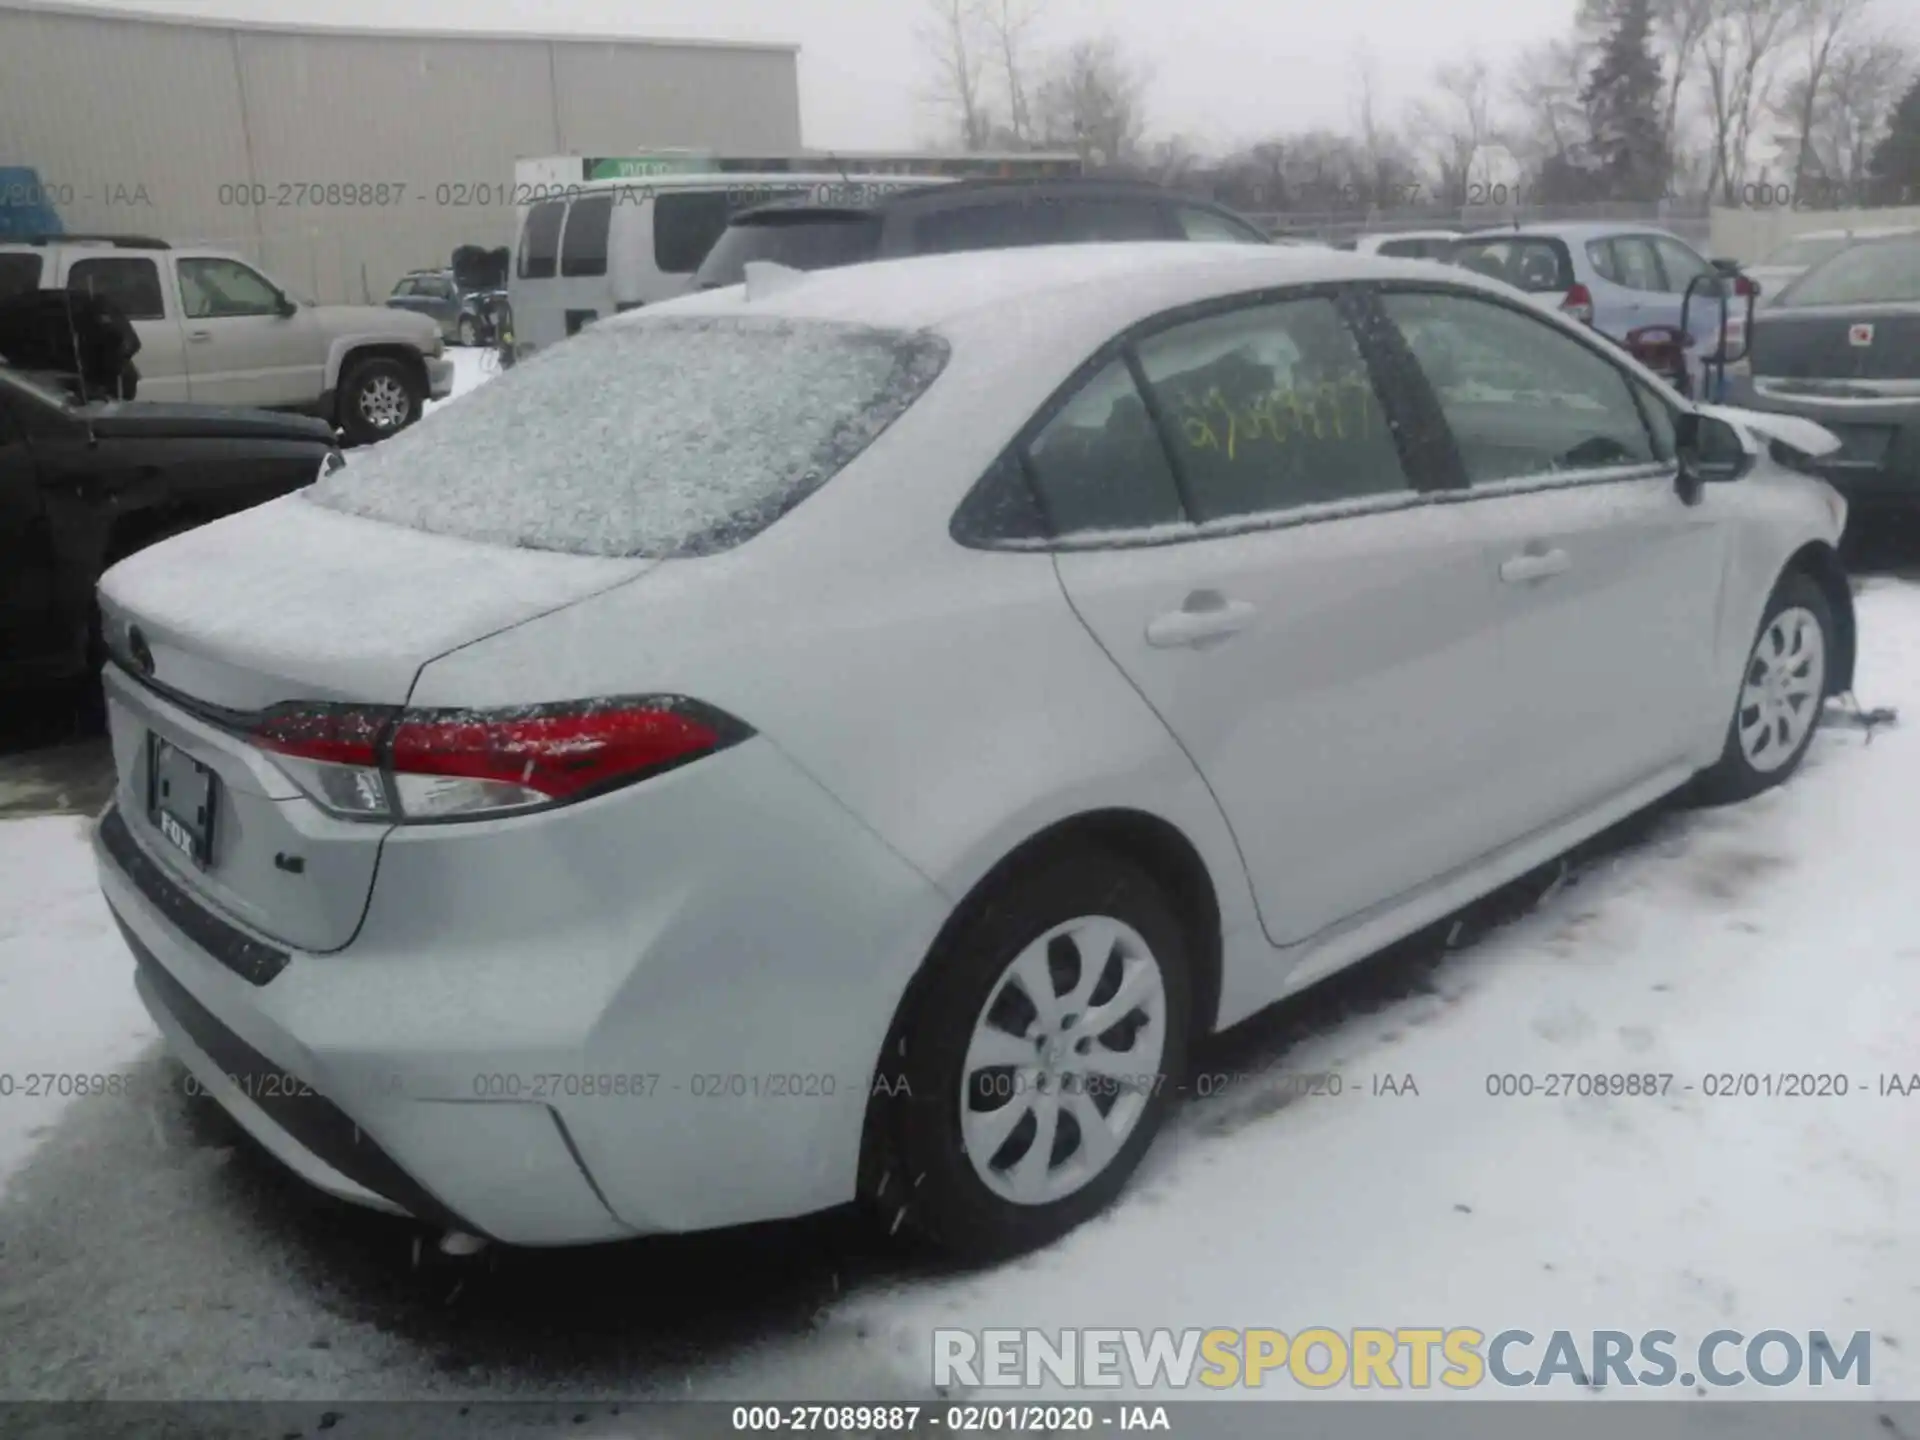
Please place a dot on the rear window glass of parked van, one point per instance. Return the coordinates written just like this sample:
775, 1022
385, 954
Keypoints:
18, 274
540, 242
805, 239
583, 248
644, 437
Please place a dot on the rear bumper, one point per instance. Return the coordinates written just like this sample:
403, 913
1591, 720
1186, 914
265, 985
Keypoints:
1876, 476
656, 1011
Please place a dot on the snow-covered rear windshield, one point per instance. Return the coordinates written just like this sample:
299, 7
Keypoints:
656, 437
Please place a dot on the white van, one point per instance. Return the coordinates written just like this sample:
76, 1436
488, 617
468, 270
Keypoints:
604, 246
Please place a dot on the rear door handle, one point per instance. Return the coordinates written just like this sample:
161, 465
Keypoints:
1522, 568
1207, 616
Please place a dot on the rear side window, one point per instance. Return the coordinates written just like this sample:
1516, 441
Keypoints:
1100, 465
1874, 272
645, 437
583, 249
1210, 225
540, 241
1534, 263
803, 240
686, 223
1636, 265
19, 273
130, 282
1272, 408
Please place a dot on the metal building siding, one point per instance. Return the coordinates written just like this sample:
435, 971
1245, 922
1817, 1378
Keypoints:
102, 108
198, 112
738, 101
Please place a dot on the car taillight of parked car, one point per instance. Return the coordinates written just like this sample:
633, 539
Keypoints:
383, 763
1578, 305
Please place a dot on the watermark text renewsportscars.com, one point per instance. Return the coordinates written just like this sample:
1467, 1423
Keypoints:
1454, 1358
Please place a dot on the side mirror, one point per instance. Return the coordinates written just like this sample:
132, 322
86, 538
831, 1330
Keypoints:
1710, 451
1726, 267
286, 308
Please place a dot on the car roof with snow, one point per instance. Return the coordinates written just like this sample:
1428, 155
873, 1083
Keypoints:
1097, 287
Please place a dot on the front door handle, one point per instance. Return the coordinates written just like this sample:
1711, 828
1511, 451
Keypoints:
1535, 566
199, 336
1206, 616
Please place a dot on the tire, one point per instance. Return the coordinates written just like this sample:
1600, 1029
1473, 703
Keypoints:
466, 332
1799, 619
379, 397
921, 1174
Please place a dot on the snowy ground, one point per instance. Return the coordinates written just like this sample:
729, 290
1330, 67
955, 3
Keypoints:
147, 1250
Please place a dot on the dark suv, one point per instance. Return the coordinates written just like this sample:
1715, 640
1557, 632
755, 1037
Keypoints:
970, 215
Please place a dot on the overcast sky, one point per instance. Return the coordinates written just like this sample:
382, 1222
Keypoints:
1220, 70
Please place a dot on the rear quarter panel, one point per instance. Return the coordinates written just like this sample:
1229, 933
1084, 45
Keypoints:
947, 697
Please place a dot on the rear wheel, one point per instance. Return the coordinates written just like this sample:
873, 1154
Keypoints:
1038, 1062
1782, 690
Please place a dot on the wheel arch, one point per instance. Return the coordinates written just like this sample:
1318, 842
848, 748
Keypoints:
1156, 845
349, 353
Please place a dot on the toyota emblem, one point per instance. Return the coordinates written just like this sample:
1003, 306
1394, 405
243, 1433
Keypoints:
138, 648
1860, 335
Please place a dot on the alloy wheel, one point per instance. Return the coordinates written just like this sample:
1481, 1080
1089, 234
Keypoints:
1786, 680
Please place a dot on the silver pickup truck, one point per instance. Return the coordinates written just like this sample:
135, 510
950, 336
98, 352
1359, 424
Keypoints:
215, 330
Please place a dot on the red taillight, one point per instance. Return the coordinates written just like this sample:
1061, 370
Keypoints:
382, 763
1578, 304
560, 752
1744, 287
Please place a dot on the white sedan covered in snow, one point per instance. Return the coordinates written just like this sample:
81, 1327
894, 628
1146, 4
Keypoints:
851, 735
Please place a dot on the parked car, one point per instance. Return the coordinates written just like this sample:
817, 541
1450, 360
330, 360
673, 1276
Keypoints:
1790, 261
972, 215
1618, 278
874, 778
1841, 347
83, 486
216, 330
465, 317
608, 246
1409, 244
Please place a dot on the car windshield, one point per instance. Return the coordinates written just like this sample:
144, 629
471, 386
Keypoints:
809, 239
1807, 250
656, 437
1532, 263
1873, 272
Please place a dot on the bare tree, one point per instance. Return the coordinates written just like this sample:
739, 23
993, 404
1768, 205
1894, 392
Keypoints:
1678, 27
951, 33
1092, 99
1458, 125
1545, 87
1738, 53
1864, 76
1009, 24
1824, 29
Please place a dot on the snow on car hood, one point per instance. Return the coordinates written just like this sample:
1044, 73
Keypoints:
290, 600
1808, 438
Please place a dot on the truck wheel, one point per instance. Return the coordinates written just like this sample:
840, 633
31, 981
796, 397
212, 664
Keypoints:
378, 398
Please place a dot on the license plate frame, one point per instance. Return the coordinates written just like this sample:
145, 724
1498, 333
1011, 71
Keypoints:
183, 799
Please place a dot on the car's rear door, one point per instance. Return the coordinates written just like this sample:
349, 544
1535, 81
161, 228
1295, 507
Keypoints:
1247, 533
137, 285
1608, 581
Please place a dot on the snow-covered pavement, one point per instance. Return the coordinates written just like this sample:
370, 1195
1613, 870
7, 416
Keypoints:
147, 1250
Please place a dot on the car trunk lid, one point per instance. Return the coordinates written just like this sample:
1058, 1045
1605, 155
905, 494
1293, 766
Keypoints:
1837, 344
289, 602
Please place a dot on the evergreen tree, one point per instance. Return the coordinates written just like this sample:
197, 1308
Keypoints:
1623, 96
1896, 160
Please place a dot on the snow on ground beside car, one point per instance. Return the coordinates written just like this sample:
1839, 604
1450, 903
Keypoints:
68, 1015
473, 365
1779, 937
141, 1254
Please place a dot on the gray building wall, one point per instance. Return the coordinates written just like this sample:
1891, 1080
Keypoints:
175, 128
